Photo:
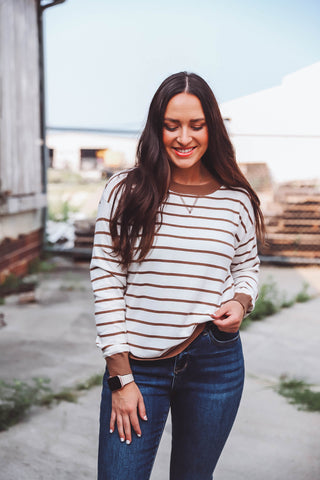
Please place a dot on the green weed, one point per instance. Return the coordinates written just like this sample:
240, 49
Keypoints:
14, 284
298, 393
303, 295
266, 304
66, 395
62, 212
287, 303
38, 265
17, 397
271, 301
93, 381
11, 283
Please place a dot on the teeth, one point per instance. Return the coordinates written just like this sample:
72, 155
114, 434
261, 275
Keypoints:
185, 150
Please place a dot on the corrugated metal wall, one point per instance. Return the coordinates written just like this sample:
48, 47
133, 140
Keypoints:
20, 163
21, 189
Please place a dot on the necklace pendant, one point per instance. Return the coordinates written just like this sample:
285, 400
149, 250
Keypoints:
189, 209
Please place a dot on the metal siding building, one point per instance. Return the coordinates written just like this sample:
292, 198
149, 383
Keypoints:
22, 189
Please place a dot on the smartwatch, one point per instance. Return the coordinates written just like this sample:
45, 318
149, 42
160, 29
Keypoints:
119, 381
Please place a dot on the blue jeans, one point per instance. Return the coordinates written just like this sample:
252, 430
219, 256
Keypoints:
202, 386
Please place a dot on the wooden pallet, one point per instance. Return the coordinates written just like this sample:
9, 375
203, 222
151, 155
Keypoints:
293, 233
296, 231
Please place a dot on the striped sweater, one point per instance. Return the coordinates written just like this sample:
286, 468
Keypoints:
203, 255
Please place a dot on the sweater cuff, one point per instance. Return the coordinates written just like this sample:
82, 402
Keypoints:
118, 364
245, 300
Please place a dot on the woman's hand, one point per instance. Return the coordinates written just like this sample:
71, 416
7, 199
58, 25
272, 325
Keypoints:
228, 318
126, 403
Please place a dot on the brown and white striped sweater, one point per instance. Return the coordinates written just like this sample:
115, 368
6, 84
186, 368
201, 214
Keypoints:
203, 255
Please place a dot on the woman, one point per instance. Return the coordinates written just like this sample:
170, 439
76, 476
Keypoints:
174, 270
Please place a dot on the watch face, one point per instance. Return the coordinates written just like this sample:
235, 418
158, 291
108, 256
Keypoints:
114, 383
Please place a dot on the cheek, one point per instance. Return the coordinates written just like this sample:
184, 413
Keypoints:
204, 139
166, 138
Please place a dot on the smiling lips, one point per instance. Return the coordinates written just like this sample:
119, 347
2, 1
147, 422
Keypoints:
184, 152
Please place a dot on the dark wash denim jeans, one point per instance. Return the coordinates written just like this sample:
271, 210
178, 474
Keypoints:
202, 386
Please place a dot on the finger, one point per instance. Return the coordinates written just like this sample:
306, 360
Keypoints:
221, 326
112, 421
120, 428
220, 312
135, 423
142, 409
127, 428
232, 326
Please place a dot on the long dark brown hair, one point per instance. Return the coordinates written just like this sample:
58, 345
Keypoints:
145, 188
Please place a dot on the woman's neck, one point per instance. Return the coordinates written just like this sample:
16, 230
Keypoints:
198, 176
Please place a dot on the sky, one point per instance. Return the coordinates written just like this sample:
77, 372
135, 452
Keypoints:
104, 59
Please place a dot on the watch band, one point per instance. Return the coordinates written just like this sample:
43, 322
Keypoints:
125, 379
119, 381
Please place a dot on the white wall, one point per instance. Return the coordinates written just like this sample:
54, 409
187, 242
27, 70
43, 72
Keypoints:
67, 145
280, 126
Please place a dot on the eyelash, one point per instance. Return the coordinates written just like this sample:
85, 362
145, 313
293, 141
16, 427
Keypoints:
173, 129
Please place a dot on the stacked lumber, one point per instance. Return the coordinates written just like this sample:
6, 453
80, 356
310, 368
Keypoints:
84, 232
295, 230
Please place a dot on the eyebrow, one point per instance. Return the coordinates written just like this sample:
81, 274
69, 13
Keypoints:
177, 121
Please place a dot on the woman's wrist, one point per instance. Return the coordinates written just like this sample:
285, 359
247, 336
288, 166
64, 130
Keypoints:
244, 300
118, 364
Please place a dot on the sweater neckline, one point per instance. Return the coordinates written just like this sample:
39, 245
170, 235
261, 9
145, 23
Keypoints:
203, 189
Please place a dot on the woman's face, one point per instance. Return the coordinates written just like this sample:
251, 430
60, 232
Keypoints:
185, 132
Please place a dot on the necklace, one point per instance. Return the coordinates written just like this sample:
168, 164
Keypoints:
188, 206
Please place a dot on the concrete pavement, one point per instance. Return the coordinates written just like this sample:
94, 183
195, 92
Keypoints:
271, 440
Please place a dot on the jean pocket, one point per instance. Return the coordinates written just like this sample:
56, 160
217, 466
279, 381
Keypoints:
223, 338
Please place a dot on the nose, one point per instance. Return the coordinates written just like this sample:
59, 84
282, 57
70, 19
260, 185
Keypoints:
184, 136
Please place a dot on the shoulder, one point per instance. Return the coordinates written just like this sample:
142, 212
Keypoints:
241, 197
114, 183
235, 194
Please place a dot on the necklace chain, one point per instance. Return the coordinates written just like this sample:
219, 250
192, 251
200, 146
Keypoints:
187, 206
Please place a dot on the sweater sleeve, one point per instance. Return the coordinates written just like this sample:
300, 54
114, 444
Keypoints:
108, 280
245, 263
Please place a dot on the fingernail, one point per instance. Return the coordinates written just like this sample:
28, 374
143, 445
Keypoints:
110, 431
145, 417
128, 442
121, 439
139, 435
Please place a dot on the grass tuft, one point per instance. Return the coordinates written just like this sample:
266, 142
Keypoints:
94, 381
303, 295
39, 265
298, 393
17, 397
66, 395
271, 301
61, 212
267, 302
14, 284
